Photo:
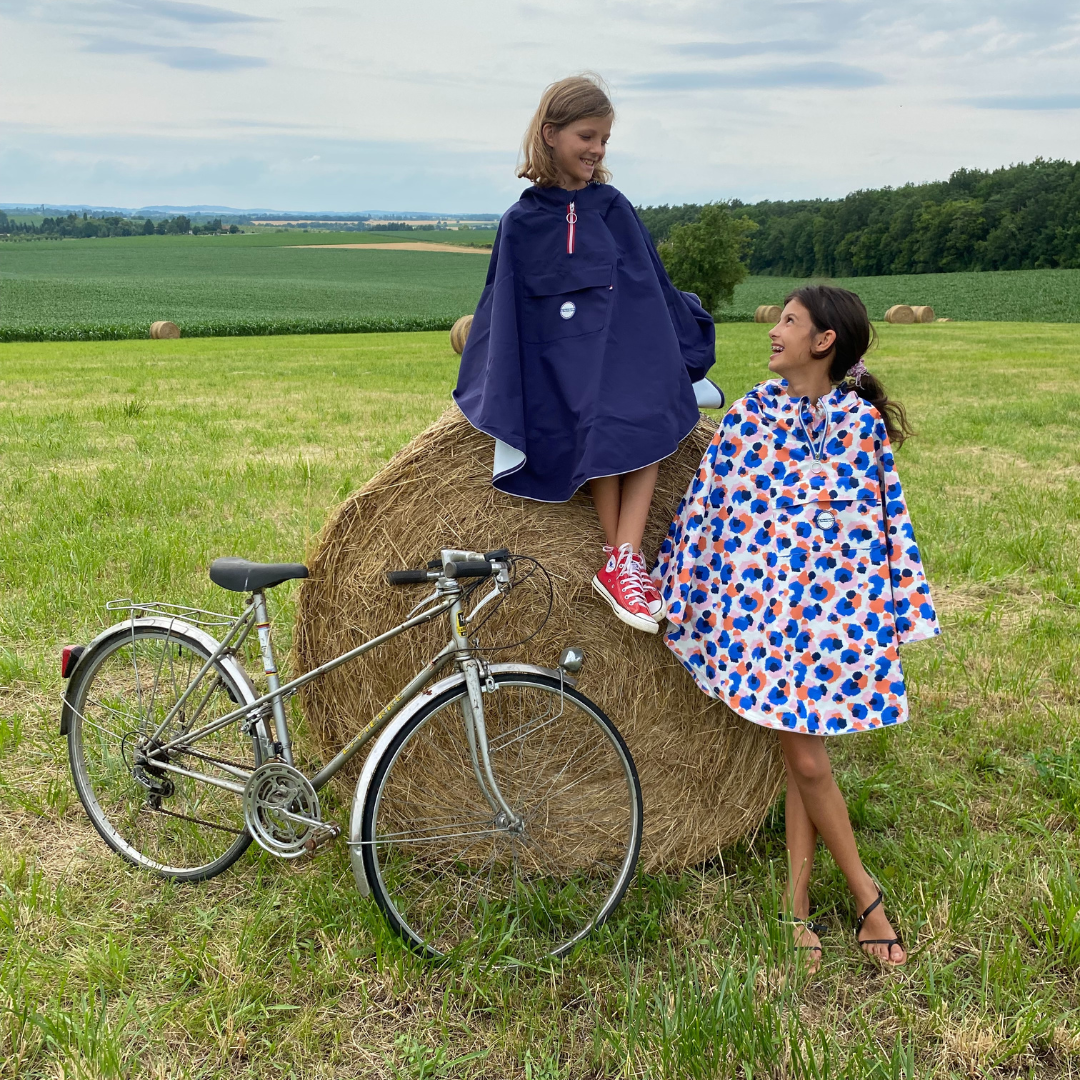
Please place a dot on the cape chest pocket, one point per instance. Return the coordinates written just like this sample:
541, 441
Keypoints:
838, 526
566, 304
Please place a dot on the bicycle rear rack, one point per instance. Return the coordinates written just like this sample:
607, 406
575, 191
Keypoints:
196, 616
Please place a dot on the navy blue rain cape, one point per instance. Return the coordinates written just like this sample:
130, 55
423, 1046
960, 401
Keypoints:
582, 356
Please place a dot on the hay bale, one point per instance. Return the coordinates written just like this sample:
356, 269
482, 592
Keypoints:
459, 333
164, 331
768, 313
708, 776
923, 313
900, 313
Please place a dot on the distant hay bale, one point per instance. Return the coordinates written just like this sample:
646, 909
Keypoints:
900, 313
708, 776
923, 313
459, 333
942, 320
164, 330
768, 313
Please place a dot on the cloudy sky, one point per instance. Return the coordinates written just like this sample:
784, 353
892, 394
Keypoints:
421, 104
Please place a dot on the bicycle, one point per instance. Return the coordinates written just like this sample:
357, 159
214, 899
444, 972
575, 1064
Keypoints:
498, 811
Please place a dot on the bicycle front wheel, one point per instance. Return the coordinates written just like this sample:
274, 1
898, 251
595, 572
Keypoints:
173, 824
452, 875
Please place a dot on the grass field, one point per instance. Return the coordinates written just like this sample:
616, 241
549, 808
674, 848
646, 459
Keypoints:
125, 467
265, 283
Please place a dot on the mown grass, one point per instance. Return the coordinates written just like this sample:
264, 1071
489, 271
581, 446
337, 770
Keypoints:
126, 467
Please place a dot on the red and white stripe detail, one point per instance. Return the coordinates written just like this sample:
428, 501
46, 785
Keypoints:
571, 228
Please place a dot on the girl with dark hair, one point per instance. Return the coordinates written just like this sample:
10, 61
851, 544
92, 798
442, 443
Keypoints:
791, 576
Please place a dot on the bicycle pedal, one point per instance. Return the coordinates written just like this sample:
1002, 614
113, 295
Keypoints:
327, 831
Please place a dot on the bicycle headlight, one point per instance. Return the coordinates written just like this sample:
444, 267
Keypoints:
571, 660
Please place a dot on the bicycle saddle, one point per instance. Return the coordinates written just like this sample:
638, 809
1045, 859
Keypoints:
239, 575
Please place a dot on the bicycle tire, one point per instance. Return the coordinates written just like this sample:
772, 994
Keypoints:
196, 830
517, 896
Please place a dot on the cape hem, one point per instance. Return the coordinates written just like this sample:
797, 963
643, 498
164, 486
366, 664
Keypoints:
524, 459
770, 725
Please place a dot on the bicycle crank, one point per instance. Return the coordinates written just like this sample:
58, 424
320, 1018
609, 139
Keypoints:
281, 810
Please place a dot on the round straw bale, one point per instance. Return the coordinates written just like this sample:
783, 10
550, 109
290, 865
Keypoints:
459, 333
767, 313
164, 330
900, 313
923, 313
708, 776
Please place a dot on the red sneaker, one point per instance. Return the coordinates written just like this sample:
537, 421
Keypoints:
619, 583
653, 600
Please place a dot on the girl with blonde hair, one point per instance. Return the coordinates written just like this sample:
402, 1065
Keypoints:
584, 363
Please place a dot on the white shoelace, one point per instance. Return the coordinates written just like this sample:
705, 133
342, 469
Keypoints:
629, 575
643, 570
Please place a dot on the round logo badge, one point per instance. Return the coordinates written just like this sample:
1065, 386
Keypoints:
568, 309
824, 520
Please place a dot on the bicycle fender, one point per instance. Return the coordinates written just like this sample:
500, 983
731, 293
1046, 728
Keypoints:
119, 629
424, 698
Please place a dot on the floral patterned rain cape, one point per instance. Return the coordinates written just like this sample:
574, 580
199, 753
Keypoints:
790, 583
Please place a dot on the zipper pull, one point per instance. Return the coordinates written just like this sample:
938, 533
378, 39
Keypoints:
571, 223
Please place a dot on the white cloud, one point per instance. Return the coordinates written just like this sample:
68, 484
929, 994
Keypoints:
263, 103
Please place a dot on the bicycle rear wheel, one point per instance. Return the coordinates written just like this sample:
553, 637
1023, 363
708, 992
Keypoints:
174, 825
449, 873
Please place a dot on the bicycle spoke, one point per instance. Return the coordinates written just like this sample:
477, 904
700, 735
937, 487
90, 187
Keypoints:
450, 875
166, 821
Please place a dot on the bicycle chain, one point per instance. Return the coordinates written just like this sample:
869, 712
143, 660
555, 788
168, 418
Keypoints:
209, 757
187, 817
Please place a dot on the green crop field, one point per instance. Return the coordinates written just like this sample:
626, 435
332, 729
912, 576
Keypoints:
997, 296
262, 283
230, 284
125, 467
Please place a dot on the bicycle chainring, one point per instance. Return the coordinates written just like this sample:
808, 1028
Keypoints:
281, 810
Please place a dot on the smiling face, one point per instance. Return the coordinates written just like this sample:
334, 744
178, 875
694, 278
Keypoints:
794, 340
577, 148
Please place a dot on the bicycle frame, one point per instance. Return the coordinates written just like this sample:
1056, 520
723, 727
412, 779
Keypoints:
448, 600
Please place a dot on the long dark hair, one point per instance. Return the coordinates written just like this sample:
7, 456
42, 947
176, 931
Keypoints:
845, 315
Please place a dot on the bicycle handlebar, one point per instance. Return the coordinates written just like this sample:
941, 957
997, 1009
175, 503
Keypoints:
468, 569
407, 577
451, 570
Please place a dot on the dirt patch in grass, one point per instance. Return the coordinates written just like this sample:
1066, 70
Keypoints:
411, 246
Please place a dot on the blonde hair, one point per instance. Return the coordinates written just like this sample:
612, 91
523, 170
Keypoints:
564, 102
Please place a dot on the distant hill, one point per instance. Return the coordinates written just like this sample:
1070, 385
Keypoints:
203, 210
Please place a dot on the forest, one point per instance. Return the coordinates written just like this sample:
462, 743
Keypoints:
74, 226
1020, 217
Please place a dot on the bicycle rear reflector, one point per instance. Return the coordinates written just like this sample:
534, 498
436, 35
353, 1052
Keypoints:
69, 658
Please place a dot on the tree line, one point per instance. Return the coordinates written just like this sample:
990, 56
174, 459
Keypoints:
1021, 217
75, 226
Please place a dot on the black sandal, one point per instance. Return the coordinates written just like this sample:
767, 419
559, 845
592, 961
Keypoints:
809, 924
877, 941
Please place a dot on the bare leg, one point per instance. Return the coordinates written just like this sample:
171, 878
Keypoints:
607, 497
807, 760
801, 843
637, 493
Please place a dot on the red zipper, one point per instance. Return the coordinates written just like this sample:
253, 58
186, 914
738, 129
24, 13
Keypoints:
571, 228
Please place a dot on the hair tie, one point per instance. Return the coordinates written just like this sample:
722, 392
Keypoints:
857, 371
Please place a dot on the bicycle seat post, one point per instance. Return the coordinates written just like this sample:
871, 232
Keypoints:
262, 627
